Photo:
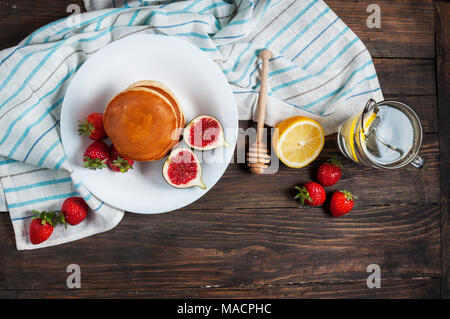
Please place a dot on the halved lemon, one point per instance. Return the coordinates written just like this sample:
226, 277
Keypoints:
298, 141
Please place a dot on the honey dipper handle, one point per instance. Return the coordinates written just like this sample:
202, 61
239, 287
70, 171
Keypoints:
265, 55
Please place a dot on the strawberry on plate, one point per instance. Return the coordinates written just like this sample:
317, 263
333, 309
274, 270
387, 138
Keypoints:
92, 127
41, 226
96, 155
74, 210
311, 193
330, 173
119, 163
341, 203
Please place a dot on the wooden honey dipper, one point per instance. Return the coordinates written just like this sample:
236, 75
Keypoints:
258, 158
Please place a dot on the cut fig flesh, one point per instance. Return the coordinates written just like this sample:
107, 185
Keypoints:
204, 133
182, 169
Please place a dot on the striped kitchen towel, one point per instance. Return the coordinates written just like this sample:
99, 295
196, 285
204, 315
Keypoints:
319, 69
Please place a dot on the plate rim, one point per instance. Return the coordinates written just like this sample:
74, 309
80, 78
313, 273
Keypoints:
233, 107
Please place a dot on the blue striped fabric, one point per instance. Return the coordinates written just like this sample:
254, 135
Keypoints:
39, 184
319, 69
41, 199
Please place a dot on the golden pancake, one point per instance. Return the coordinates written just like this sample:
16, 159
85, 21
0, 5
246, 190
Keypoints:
140, 123
167, 93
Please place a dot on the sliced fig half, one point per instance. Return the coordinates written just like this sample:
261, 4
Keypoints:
182, 169
204, 133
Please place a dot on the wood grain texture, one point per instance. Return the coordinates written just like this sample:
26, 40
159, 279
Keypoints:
196, 248
407, 26
22, 17
443, 76
406, 77
413, 82
410, 24
391, 288
240, 189
425, 106
248, 238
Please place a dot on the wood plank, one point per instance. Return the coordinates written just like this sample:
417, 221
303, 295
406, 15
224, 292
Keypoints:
19, 18
443, 75
415, 288
402, 79
402, 187
409, 24
256, 248
407, 27
413, 82
192, 248
240, 189
406, 77
425, 108
399, 78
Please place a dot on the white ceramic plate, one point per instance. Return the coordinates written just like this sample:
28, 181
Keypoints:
194, 78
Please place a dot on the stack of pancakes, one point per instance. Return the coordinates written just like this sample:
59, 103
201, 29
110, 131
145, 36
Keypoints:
145, 121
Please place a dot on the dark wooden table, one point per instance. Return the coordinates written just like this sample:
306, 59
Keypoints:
248, 237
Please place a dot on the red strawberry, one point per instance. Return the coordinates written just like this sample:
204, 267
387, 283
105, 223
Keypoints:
311, 193
92, 127
341, 203
74, 210
41, 226
96, 155
330, 173
119, 163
